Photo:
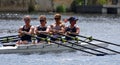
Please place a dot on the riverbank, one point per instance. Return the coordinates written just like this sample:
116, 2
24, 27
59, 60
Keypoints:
30, 6
33, 5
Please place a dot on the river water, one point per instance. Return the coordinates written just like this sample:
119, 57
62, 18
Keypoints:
103, 27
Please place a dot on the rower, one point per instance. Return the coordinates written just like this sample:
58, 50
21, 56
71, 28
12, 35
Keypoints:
57, 27
24, 30
42, 29
72, 28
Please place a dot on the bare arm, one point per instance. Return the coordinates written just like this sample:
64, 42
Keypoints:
78, 30
31, 31
42, 32
20, 31
36, 31
76, 33
62, 30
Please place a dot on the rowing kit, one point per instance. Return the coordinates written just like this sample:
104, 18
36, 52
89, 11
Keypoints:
8, 46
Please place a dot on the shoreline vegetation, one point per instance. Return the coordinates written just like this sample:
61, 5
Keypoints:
62, 9
75, 6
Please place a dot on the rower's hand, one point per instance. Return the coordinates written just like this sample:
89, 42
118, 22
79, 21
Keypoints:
38, 32
73, 33
50, 33
68, 32
55, 31
24, 32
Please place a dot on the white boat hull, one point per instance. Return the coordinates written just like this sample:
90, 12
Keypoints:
38, 48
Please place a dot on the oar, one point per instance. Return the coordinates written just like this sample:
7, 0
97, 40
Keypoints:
99, 40
92, 44
8, 36
66, 45
86, 47
7, 39
80, 45
77, 49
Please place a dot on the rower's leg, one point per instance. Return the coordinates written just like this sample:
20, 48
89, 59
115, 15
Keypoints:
25, 42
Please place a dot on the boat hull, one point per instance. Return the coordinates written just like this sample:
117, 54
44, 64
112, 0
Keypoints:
39, 48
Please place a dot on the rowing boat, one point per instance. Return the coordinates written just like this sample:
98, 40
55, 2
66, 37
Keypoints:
45, 47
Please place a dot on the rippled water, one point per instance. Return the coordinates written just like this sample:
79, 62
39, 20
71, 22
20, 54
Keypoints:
104, 27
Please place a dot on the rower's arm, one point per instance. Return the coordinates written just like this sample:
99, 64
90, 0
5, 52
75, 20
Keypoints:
48, 29
36, 31
76, 33
51, 30
24, 32
31, 30
42, 32
20, 31
78, 30
62, 30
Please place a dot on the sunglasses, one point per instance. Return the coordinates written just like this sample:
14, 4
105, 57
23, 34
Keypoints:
73, 21
42, 20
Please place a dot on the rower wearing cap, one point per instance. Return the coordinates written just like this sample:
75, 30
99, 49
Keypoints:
25, 29
72, 28
57, 27
42, 29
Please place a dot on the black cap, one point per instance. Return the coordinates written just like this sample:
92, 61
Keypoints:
72, 19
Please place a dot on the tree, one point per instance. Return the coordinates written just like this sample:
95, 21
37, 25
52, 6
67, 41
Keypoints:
101, 2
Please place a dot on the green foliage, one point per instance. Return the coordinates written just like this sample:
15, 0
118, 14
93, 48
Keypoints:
91, 2
102, 2
31, 9
61, 8
79, 2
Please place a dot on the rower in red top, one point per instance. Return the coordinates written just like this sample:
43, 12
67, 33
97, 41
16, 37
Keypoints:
72, 28
25, 29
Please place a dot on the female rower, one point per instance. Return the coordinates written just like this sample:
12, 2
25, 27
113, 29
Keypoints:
42, 29
72, 28
25, 31
57, 27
